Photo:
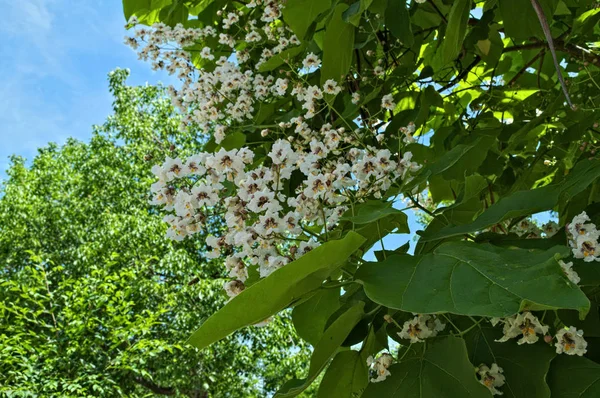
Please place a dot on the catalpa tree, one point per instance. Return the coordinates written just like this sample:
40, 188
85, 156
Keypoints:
327, 121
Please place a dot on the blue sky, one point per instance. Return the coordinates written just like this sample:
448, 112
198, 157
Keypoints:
54, 59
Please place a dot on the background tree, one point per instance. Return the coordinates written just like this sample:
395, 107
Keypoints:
94, 299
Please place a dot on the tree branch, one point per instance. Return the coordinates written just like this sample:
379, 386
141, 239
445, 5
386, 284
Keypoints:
546, 28
524, 68
461, 75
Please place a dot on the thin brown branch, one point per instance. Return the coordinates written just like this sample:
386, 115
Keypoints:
439, 12
548, 34
461, 75
524, 68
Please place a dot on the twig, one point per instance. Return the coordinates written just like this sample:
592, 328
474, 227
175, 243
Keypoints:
524, 68
546, 28
461, 75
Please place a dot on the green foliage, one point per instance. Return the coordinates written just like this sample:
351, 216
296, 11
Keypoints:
498, 143
501, 282
284, 287
441, 369
337, 46
94, 299
346, 376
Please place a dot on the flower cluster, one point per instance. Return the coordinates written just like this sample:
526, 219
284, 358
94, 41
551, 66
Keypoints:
268, 226
584, 238
222, 85
278, 196
525, 325
528, 229
491, 377
421, 327
380, 367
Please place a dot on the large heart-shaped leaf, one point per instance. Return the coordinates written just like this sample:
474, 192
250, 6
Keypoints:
473, 279
571, 377
440, 369
525, 366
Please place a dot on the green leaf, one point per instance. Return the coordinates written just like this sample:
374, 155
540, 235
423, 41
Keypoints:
346, 376
501, 282
371, 211
458, 20
332, 339
528, 202
147, 11
572, 376
586, 21
397, 20
174, 14
442, 369
376, 219
279, 59
300, 14
234, 140
520, 20
463, 159
354, 12
338, 45
311, 316
282, 287
200, 6
525, 366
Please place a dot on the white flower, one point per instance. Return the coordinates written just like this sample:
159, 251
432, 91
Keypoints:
570, 341
587, 246
173, 168
280, 87
233, 288
282, 153
421, 327
491, 377
526, 325
194, 165
550, 229
355, 98
311, 61
569, 272
205, 195
380, 367
331, 87
205, 53
577, 225
387, 102
584, 238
